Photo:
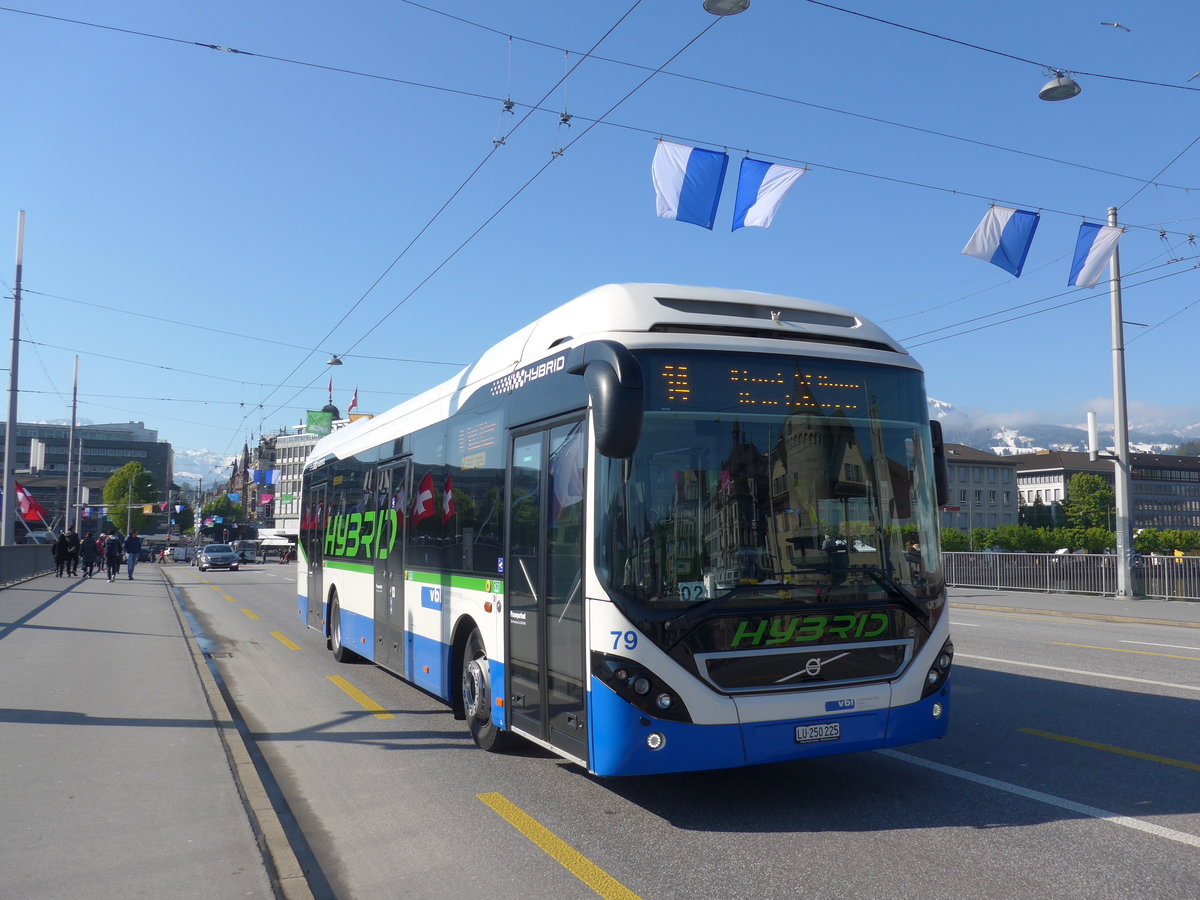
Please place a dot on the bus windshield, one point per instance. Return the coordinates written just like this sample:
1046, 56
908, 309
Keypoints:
771, 480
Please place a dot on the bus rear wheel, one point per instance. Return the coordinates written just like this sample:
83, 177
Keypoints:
477, 696
340, 652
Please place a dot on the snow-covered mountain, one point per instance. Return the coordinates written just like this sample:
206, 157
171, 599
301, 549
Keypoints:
193, 466
1008, 440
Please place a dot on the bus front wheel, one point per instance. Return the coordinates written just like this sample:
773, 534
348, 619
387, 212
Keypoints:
477, 696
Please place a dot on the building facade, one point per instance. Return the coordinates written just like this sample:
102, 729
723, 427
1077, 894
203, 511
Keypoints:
983, 489
41, 465
1165, 489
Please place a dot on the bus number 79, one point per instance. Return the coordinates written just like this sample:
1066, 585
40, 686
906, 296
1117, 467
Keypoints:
629, 637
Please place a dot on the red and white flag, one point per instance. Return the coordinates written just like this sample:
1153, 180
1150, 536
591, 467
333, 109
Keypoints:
30, 509
447, 501
331, 390
423, 502
353, 401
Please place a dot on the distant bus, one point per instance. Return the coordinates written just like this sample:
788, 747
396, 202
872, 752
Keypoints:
660, 529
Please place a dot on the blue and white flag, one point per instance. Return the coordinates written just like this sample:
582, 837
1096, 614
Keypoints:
1003, 238
687, 182
1093, 249
761, 188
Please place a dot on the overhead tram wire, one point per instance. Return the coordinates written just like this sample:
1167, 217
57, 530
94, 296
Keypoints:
553, 158
538, 108
969, 45
1036, 312
191, 326
579, 117
794, 101
443, 207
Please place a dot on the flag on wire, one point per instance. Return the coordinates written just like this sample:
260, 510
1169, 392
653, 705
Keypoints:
1093, 249
761, 189
1003, 238
264, 476
687, 182
423, 501
353, 401
447, 501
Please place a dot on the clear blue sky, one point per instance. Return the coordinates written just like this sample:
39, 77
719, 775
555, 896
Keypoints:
216, 214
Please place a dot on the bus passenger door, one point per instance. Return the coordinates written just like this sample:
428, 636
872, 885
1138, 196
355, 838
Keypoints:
314, 551
389, 565
543, 576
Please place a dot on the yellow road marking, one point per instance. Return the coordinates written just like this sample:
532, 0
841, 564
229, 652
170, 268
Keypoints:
250, 614
1108, 748
558, 849
1123, 650
215, 587
362, 699
291, 645
1038, 618
230, 599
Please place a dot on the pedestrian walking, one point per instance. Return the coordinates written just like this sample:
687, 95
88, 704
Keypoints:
72, 552
112, 555
59, 551
133, 546
88, 553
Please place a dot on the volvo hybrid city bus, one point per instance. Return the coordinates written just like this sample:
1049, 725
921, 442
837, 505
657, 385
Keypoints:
660, 529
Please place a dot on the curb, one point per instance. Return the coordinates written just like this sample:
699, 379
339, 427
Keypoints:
283, 868
1063, 614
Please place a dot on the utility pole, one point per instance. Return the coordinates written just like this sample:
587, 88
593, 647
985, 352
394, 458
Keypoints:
1122, 477
8, 504
72, 495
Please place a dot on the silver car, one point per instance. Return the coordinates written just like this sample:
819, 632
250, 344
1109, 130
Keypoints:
217, 556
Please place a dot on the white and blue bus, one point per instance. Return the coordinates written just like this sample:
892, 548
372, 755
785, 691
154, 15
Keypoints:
660, 529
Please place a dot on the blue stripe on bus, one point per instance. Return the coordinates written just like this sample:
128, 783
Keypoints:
358, 633
618, 736
427, 653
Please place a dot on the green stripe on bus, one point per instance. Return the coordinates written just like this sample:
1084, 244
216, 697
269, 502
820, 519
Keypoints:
365, 568
466, 582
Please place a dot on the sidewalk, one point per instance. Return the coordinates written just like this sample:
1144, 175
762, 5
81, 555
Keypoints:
1184, 613
121, 772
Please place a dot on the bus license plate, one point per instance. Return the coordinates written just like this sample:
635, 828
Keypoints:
826, 731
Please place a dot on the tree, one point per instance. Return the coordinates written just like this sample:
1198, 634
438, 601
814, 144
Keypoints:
1035, 515
1191, 448
230, 513
954, 540
1090, 502
127, 491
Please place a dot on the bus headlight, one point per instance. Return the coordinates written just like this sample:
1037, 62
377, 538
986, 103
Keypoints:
940, 670
640, 685
664, 701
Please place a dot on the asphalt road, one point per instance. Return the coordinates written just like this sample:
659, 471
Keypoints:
1072, 769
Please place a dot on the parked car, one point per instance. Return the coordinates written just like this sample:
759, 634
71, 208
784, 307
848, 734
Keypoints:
182, 554
217, 556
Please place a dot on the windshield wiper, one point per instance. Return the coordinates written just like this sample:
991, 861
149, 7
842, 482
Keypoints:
690, 615
896, 589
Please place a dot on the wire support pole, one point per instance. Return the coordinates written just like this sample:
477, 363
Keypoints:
1122, 480
8, 505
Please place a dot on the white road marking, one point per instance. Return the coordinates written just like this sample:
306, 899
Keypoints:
1062, 803
1150, 644
1013, 662
966, 624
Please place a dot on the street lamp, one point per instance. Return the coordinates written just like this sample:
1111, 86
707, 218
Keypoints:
1061, 87
726, 7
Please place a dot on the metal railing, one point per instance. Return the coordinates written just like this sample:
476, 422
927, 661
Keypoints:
22, 561
1168, 577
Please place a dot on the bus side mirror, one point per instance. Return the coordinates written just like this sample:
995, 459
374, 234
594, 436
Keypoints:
614, 383
941, 473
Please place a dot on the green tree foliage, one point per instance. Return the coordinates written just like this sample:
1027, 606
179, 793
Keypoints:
129, 486
231, 513
1090, 502
1191, 448
1035, 515
184, 519
954, 541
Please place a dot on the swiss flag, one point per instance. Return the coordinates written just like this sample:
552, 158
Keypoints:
423, 501
31, 510
447, 501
